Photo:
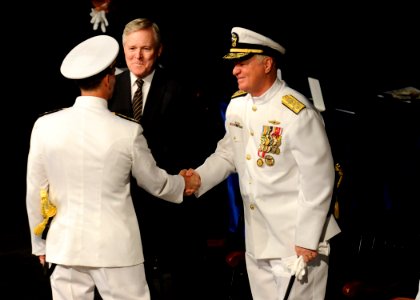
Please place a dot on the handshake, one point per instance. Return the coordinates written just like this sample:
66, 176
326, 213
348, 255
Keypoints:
192, 181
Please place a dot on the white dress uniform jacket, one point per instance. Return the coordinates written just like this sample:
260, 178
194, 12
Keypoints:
286, 171
84, 156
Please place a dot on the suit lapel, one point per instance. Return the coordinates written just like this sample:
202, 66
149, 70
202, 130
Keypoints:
155, 103
122, 92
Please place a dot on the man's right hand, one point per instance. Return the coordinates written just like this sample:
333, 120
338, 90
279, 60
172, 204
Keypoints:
192, 181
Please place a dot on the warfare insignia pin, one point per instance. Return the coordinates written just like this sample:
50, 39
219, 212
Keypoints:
236, 124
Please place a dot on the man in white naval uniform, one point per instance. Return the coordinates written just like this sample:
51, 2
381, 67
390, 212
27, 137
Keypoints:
80, 160
276, 141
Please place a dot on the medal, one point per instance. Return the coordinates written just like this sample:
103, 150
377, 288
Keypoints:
270, 142
269, 160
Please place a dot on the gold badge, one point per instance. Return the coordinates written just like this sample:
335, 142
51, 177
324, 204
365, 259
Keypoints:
260, 162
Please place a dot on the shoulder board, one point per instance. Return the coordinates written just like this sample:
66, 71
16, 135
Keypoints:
125, 117
50, 112
238, 94
292, 103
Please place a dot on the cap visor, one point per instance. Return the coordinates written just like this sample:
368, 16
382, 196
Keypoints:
238, 55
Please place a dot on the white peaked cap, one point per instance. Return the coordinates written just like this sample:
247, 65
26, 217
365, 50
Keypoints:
90, 57
246, 43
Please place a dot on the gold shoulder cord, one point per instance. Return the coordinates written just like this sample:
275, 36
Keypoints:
48, 210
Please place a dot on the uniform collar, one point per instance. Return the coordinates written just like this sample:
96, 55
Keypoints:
269, 94
91, 101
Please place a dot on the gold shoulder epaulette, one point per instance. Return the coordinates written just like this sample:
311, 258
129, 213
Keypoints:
127, 118
292, 103
50, 112
238, 94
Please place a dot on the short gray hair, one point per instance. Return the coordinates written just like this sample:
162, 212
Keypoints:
139, 24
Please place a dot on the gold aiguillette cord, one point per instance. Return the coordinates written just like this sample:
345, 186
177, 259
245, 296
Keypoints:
48, 210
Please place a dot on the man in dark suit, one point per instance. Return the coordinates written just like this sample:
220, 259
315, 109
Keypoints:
173, 236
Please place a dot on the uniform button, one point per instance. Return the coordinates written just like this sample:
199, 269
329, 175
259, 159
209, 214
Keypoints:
248, 156
254, 108
252, 132
252, 206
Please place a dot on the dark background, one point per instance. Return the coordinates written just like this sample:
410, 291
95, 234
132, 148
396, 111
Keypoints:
356, 52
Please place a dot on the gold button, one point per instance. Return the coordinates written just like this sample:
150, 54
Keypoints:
252, 132
248, 156
251, 206
254, 108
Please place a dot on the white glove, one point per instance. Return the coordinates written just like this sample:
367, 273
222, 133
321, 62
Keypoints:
296, 266
98, 17
324, 248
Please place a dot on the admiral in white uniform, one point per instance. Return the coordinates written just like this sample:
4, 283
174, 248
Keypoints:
276, 141
83, 157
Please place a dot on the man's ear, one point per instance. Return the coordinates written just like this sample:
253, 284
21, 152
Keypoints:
107, 79
268, 64
160, 51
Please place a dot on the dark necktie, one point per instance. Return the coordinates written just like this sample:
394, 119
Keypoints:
138, 100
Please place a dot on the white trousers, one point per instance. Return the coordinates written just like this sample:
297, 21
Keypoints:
268, 282
78, 283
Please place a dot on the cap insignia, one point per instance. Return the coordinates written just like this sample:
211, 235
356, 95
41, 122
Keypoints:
292, 103
234, 39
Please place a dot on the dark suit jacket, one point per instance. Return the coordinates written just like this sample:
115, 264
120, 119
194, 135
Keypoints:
181, 131
172, 120
169, 115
